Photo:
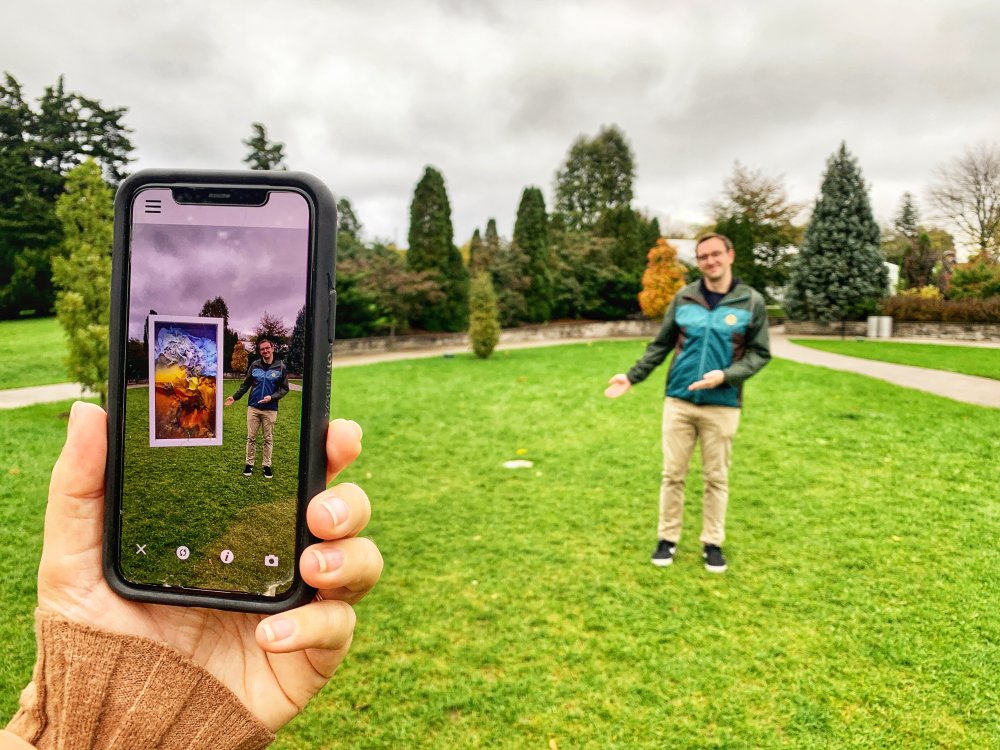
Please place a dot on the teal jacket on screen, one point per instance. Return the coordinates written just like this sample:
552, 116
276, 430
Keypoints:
731, 337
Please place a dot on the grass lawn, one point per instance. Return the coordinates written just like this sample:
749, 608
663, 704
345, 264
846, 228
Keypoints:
199, 498
32, 352
519, 607
969, 360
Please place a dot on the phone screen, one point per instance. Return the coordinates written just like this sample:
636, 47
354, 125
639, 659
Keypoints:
214, 369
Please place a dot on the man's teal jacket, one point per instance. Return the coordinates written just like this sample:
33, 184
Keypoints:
732, 337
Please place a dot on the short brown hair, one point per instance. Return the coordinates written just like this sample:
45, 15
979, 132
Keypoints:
713, 235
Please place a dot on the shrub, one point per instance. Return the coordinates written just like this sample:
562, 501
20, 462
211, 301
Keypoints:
913, 307
922, 292
484, 318
978, 279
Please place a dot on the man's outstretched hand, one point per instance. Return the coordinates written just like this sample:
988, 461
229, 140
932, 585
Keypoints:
617, 386
274, 664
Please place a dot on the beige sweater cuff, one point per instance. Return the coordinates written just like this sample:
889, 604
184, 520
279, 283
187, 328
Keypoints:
97, 689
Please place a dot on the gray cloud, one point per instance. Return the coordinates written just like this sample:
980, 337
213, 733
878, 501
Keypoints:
493, 94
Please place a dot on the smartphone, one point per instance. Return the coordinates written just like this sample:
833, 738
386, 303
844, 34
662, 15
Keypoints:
222, 320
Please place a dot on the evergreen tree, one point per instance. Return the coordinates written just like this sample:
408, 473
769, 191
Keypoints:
919, 262
839, 272
484, 317
296, 359
82, 273
476, 255
491, 244
347, 221
217, 308
597, 176
432, 249
531, 236
263, 153
907, 221
37, 148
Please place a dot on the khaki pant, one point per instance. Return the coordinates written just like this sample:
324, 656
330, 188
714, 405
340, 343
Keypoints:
257, 419
684, 424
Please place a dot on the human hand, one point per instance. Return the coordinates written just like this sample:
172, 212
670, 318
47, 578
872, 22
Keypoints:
618, 385
265, 400
229, 401
711, 379
273, 664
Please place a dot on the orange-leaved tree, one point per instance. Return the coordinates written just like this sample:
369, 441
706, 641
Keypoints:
662, 279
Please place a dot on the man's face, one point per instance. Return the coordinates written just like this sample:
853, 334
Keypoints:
266, 351
714, 259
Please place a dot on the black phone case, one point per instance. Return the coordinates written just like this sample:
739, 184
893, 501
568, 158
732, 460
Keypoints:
321, 301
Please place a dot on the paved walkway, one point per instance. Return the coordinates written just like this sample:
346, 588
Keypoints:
968, 388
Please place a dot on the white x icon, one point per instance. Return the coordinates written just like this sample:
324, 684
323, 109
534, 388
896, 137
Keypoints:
140, 549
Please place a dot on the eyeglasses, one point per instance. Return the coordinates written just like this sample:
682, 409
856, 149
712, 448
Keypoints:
711, 256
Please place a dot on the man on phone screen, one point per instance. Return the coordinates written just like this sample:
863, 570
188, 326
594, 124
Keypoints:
267, 381
718, 327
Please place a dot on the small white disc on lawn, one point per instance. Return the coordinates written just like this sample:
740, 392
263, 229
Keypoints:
518, 464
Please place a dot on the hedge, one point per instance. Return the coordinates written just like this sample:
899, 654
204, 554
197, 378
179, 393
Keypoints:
944, 310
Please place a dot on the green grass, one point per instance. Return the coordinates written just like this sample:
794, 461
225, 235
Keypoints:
968, 360
32, 352
519, 607
198, 497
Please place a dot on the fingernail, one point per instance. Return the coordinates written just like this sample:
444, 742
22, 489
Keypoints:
278, 629
72, 413
328, 560
361, 433
338, 510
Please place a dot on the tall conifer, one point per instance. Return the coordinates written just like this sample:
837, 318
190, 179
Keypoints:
839, 272
432, 249
531, 235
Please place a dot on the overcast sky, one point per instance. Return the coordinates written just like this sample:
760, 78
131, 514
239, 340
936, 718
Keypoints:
365, 95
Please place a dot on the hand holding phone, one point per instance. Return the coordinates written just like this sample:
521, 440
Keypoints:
222, 288
263, 660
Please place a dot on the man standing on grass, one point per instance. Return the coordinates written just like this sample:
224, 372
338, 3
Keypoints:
267, 381
718, 325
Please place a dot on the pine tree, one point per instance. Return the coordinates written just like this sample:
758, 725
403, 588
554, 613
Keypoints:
432, 249
263, 154
476, 256
491, 244
839, 272
296, 359
662, 279
82, 274
531, 236
484, 317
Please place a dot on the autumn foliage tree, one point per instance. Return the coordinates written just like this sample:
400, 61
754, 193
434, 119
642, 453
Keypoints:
240, 359
662, 279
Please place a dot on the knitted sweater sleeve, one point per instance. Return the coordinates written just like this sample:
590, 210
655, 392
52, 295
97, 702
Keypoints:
93, 689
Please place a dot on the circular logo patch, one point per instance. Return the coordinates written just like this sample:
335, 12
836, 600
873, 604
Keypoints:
731, 319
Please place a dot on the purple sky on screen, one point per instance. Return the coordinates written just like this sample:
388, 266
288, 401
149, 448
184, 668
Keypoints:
177, 268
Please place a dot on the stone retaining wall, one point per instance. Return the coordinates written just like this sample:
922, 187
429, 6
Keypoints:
811, 328
904, 329
584, 329
954, 331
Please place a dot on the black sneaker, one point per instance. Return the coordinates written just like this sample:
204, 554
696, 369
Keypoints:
714, 561
268, 474
664, 554
247, 470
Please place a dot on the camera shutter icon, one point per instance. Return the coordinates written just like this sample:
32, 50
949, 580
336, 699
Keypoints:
271, 561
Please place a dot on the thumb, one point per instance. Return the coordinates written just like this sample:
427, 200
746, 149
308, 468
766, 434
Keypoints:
75, 513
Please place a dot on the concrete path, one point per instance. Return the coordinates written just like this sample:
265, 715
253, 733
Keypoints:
14, 398
968, 388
